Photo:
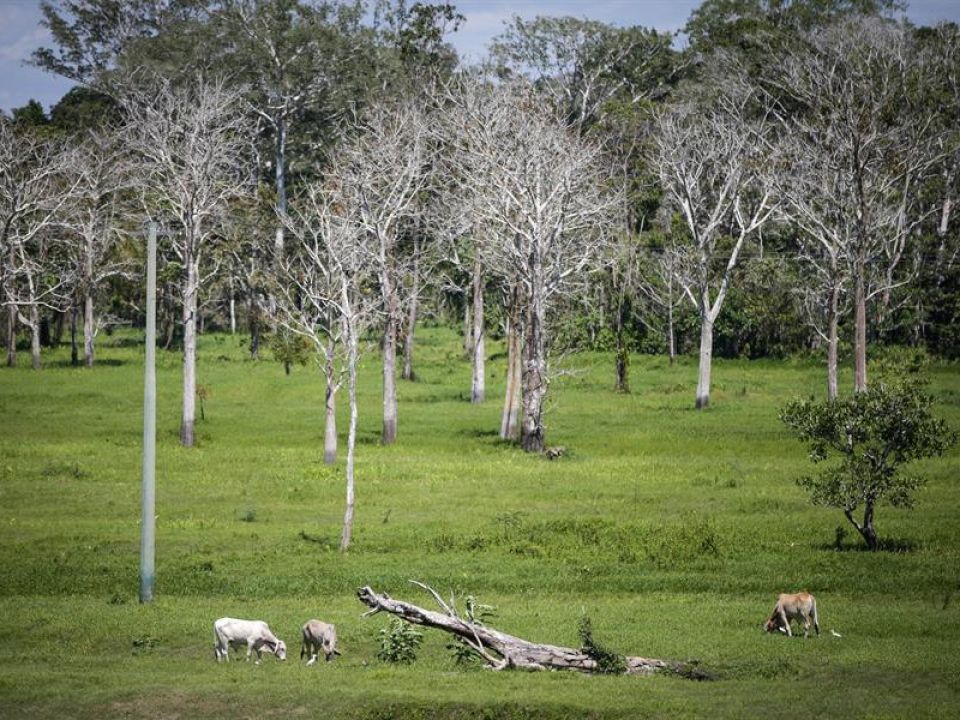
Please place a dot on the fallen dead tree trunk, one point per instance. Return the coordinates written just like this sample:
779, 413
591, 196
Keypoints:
502, 651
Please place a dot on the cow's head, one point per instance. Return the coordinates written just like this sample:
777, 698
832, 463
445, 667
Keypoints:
280, 650
772, 625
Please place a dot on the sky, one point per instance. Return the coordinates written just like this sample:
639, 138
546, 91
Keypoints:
21, 33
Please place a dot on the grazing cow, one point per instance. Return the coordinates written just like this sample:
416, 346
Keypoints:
316, 636
254, 634
800, 606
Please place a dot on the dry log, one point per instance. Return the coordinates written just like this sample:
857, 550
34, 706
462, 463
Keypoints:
502, 651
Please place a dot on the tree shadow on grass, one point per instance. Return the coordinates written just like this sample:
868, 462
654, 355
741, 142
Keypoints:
884, 545
478, 433
106, 362
321, 541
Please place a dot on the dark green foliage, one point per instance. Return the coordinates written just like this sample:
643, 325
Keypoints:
30, 115
399, 642
869, 435
290, 348
90, 35
750, 25
608, 662
83, 108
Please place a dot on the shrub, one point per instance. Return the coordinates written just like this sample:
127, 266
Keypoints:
399, 642
869, 435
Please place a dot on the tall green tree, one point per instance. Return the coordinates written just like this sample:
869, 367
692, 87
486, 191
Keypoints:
755, 26
90, 35
583, 64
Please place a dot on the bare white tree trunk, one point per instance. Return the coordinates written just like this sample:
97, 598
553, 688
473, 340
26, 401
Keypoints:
11, 336
860, 333
35, 336
330, 420
478, 390
671, 335
511, 401
467, 327
706, 362
532, 432
233, 309
352, 353
833, 342
188, 415
390, 366
408, 340
88, 328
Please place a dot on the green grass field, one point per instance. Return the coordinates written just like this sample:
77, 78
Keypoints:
672, 529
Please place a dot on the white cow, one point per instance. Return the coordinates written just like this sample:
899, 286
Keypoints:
254, 634
316, 636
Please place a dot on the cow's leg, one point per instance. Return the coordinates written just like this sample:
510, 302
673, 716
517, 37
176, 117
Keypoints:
785, 621
220, 646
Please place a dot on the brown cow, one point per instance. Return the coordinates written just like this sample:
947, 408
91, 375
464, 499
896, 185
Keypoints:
800, 606
316, 636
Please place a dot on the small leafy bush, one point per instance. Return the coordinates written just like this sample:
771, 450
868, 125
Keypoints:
399, 643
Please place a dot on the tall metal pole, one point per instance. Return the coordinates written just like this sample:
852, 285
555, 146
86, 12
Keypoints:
148, 516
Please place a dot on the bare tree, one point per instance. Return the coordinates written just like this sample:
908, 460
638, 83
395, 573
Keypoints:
711, 153
940, 63
325, 296
99, 172
248, 262
462, 239
191, 141
382, 169
309, 287
293, 54
33, 190
659, 287
867, 145
538, 190
815, 191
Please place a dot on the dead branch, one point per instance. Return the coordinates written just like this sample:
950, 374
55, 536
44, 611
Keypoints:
502, 651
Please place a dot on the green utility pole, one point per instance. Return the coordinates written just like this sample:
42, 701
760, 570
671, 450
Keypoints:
148, 516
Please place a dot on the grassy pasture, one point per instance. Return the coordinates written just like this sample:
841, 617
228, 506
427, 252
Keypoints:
672, 529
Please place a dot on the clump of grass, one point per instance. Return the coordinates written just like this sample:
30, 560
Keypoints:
248, 515
692, 540
608, 662
143, 644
